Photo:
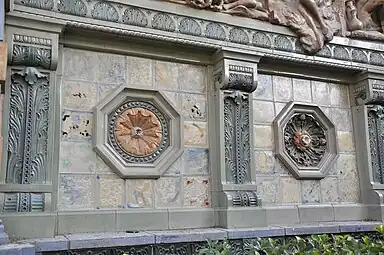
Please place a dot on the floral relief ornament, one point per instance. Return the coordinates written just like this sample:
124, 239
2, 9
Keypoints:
305, 140
138, 132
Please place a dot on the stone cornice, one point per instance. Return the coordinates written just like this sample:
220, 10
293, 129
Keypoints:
164, 25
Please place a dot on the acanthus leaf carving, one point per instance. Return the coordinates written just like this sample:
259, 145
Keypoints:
31, 56
376, 141
236, 137
28, 127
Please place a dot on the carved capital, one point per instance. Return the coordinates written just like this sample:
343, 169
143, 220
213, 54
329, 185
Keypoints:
32, 48
235, 71
369, 89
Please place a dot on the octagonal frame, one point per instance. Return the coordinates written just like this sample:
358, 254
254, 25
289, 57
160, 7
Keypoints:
332, 152
112, 158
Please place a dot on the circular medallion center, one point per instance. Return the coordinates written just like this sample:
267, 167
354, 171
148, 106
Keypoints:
302, 140
138, 131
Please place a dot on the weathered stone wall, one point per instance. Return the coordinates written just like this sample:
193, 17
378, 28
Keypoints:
274, 182
85, 181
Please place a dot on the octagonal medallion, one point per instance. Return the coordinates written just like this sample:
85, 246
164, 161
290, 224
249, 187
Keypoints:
138, 132
305, 140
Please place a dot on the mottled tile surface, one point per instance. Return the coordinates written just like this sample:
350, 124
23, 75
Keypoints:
193, 78
167, 75
282, 88
111, 191
197, 192
175, 169
76, 157
195, 133
76, 191
263, 137
339, 95
265, 162
345, 141
78, 95
263, 112
194, 106
139, 72
76, 126
264, 89
267, 189
329, 189
302, 90
289, 190
195, 161
80, 64
342, 118
310, 191
111, 68
168, 192
320, 93
139, 193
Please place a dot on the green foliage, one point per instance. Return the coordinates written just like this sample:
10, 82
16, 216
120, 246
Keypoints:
313, 245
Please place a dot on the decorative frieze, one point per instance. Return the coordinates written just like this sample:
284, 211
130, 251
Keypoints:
24, 202
184, 25
305, 140
138, 132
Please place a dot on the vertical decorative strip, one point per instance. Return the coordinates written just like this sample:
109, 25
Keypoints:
376, 141
28, 127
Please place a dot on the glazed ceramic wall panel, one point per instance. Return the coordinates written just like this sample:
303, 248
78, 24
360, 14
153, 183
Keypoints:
85, 180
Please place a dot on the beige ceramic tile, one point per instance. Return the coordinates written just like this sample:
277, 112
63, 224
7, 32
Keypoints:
263, 112
329, 189
111, 191
310, 190
76, 191
76, 126
195, 133
77, 157
173, 97
168, 192
167, 75
282, 88
289, 190
79, 95
139, 72
302, 90
342, 118
139, 193
195, 161
263, 137
265, 162
193, 78
339, 95
111, 68
345, 141
194, 106
197, 192
264, 89
80, 64
268, 190
320, 93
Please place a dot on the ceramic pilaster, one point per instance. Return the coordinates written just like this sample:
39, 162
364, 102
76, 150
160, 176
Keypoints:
231, 140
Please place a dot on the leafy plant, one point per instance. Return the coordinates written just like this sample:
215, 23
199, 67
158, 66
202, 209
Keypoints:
313, 245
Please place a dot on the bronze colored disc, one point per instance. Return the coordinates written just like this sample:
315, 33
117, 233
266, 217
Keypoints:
138, 132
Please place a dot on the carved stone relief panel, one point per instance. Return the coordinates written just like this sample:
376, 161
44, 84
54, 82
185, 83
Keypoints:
376, 141
138, 132
305, 140
28, 127
237, 144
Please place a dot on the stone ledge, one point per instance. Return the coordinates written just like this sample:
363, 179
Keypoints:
89, 241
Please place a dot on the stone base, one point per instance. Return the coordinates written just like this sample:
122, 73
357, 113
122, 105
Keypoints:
164, 242
242, 217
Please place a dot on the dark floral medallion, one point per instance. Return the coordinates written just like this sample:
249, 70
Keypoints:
305, 140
